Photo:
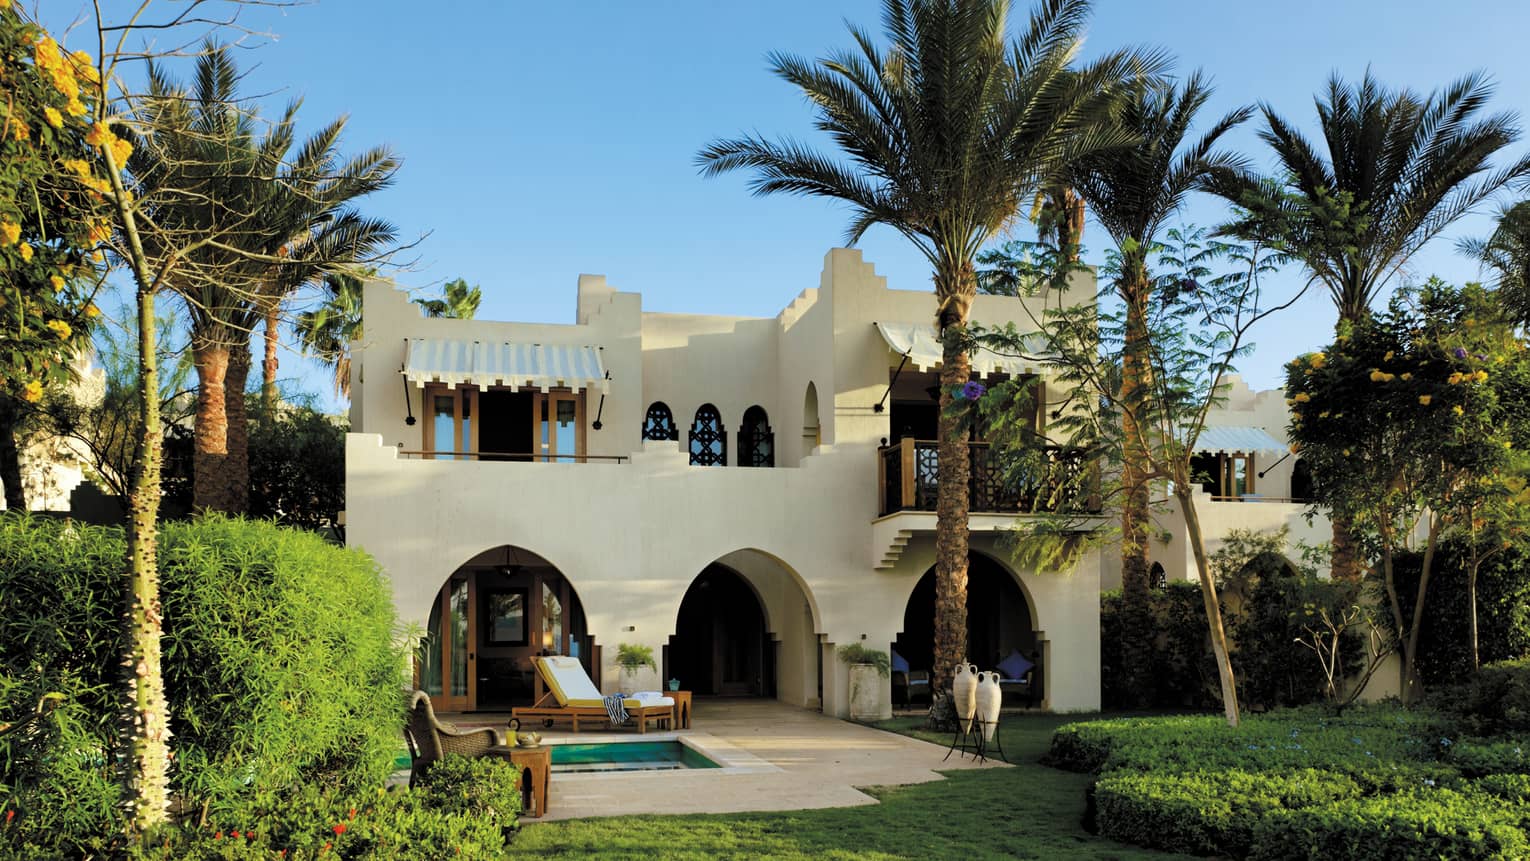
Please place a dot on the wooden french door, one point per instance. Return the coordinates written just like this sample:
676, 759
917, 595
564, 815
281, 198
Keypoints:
459, 646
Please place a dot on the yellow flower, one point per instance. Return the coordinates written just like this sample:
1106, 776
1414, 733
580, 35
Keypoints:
1346, 452
1425, 399
26, 252
1376, 375
1454, 379
1388, 356
1407, 376
61, 329
32, 392
53, 117
57, 282
1457, 410
99, 135
121, 149
19, 129
1323, 414
76, 108
92, 311
1302, 397
78, 167
10, 232
1317, 360
46, 54
5, 4
99, 232
1480, 376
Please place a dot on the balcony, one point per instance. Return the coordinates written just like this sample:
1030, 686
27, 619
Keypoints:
907, 480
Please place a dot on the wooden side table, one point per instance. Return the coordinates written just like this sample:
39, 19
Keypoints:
682, 718
535, 762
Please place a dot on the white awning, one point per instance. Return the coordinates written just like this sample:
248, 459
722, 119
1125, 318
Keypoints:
502, 363
919, 342
1235, 439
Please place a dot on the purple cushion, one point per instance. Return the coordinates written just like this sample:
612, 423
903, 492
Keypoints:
1015, 666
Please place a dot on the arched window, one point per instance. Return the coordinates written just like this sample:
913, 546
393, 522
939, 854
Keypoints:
1157, 577
659, 425
756, 443
709, 442
812, 431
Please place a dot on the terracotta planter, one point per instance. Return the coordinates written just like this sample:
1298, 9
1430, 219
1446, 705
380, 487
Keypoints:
865, 693
989, 698
964, 694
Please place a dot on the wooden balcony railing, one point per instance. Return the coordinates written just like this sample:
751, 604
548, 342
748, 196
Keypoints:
908, 480
513, 456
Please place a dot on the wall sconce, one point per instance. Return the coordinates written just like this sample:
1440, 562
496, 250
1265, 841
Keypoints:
547, 640
630, 628
408, 410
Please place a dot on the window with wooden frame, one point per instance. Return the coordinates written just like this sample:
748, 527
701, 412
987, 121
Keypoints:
524, 425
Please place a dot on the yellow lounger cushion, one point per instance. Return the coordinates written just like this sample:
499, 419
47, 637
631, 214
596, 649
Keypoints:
566, 679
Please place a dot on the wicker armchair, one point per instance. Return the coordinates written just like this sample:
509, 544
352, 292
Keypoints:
429, 739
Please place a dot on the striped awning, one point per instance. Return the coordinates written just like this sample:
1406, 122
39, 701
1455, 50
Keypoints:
919, 342
1235, 439
503, 363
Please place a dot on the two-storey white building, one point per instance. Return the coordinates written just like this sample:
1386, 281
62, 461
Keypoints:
740, 495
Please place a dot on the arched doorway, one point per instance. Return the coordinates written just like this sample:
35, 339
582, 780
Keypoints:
1000, 628
721, 645
812, 428
497, 612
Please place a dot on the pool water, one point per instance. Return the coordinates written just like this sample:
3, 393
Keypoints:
626, 756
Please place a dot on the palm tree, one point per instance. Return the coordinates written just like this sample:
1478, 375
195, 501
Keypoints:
944, 135
246, 224
1398, 169
318, 232
458, 301
326, 332
1507, 254
1133, 193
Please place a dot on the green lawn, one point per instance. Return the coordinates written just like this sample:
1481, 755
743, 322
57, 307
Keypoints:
1028, 811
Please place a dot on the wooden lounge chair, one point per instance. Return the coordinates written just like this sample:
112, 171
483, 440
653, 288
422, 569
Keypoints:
429, 739
571, 697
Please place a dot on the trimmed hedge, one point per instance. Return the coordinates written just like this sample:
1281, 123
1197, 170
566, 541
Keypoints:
1377, 782
1206, 812
1422, 824
1494, 700
280, 661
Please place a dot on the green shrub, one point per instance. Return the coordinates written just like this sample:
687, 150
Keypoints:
1493, 701
1203, 812
1514, 787
1184, 673
279, 657
1477, 758
464, 809
1503, 611
1421, 824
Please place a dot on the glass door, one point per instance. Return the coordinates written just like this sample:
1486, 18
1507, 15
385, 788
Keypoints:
454, 687
560, 427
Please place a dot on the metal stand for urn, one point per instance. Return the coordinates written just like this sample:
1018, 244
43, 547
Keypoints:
971, 740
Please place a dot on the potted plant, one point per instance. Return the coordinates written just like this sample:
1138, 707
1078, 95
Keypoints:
633, 658
866, 665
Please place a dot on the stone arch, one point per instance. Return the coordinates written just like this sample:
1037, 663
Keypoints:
790, 618
493, 613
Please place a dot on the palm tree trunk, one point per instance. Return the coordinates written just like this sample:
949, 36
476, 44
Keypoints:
209, 460
10, 457
238, 471
269, 366
1137, 626
1213, 605
953, 476
1344, 561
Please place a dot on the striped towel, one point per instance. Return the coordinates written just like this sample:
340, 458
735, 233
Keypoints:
616, 709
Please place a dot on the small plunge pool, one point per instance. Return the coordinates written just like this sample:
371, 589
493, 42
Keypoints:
626, 756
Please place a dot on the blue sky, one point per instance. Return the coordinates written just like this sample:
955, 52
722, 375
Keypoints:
545, 140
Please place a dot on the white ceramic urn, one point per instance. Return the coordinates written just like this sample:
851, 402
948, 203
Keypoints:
989, 698
964, 694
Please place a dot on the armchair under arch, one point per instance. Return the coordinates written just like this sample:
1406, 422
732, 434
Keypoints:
708, 439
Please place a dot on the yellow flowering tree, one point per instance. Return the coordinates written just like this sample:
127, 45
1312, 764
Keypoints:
1411, 421
52, 225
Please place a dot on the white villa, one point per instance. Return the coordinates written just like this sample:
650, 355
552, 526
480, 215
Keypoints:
740, 495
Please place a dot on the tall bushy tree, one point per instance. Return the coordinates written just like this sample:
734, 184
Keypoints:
1412, 422
458, 301
942, 135
1506, 254
1391, 171
52, 225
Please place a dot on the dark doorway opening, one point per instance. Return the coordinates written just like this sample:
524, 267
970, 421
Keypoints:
998, 619
506, 423
720, 645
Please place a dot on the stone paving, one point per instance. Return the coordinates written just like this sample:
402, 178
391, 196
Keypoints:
809, 761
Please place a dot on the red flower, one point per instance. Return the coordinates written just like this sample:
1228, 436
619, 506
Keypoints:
339, 829
218, 836
9, 815
326, 848
281, 853
235, 834
352, 814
